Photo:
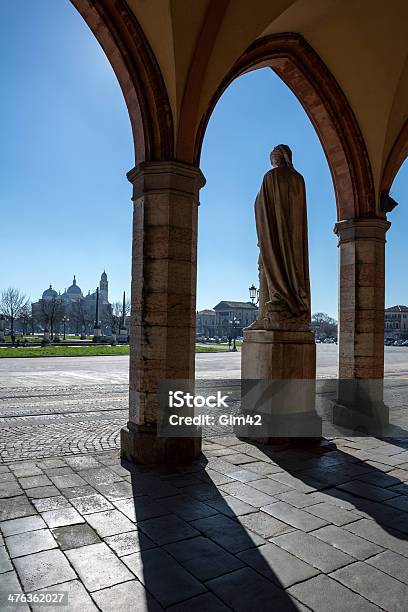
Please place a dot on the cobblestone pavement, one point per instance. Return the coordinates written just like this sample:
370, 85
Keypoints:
242, 528
49, 421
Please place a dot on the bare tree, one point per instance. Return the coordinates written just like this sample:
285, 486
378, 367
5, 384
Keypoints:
81, 315
324, 326
113, 316
25, 319
51, 313
12, 303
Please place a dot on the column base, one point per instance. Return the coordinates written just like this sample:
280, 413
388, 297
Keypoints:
360, 407
146, 447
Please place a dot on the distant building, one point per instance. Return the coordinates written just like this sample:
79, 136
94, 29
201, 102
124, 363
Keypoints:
396, 322
232, 317
78, 309
205, 323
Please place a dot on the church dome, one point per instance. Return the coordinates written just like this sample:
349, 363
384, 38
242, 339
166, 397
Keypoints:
74, 290
50, 293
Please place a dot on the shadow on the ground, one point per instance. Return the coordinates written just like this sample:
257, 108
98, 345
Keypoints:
191, 541
344, 476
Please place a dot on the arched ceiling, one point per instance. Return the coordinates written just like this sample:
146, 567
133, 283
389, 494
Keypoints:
364, 43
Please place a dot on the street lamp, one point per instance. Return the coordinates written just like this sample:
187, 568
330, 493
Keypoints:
254, 294
234, 323
65, 320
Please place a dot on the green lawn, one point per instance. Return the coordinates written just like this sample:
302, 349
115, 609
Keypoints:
81, 351
63, 351
202, 348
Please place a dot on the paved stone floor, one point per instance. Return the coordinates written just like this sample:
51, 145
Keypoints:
243, 528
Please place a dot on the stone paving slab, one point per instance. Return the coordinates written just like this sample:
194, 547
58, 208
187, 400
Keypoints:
43, 569
318, 554
198, 536
9, 583
127, 596
166, 579
31, 542
78, 598
203, 558
97, 566
258, 593
323, 593
278, 565
376, 586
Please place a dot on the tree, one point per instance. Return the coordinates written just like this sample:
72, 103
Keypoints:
51, 313
25, 318
113, 316
81, 315
12, 303
324, 326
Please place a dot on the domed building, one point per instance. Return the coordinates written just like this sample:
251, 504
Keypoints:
78, 310
49, 293
73, 292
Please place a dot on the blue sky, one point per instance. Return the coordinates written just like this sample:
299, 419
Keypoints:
67, 145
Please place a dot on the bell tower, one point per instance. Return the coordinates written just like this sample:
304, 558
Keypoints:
104, 286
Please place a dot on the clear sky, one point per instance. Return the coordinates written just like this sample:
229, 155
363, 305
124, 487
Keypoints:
66, 146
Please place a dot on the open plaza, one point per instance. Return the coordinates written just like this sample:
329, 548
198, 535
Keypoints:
242, 526
203, 319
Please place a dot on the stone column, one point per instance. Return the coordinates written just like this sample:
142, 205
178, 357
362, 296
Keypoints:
164, 263
361, 318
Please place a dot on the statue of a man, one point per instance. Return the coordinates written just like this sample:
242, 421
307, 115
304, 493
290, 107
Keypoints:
281, 224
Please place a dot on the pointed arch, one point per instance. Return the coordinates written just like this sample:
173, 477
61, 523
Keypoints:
138, 72
396, 158
300, 67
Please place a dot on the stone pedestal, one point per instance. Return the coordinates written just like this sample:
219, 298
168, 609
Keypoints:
278, 354
162, 335
279, 380
97, 332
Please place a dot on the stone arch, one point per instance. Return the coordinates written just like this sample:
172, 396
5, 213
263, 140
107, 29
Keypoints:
396, 158
300, 67
136, 68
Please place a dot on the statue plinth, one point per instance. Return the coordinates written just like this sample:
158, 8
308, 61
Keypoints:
279, 380
278, 354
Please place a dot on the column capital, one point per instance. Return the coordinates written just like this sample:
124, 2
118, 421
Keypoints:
168, 176
370, 228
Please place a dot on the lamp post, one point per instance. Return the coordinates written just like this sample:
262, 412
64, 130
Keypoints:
234, 323
65, 320
254, 294
97, 327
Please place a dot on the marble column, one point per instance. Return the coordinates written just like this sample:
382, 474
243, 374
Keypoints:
164, 263
361, 320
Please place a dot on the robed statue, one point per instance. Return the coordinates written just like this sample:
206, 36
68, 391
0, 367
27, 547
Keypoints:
281, 224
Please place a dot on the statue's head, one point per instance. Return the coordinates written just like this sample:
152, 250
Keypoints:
281, 156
